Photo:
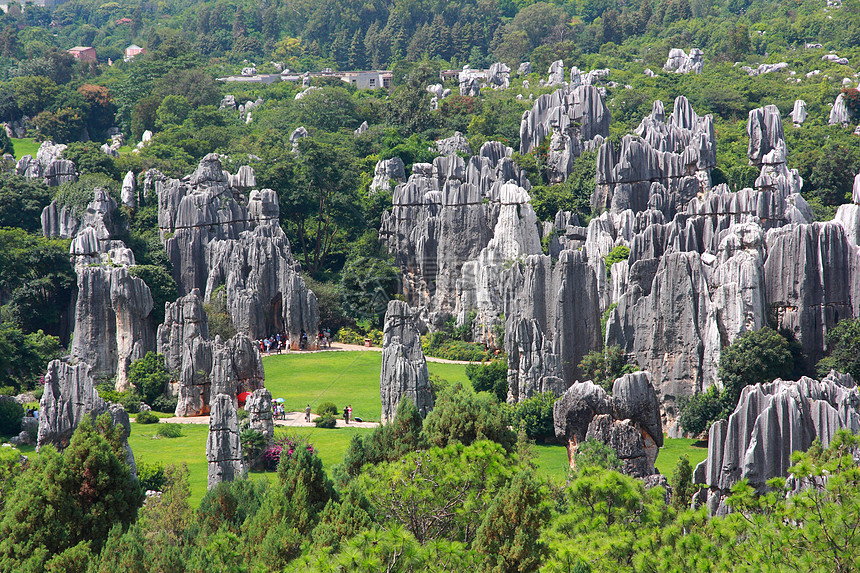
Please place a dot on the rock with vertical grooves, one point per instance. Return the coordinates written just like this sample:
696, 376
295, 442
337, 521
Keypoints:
223, 446
404, 370
681, 63
798, 113
213, 240
259, 407
387, 174
70, 395
770, 422
129, 198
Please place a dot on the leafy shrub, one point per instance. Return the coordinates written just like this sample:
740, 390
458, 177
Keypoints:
130, 401
699, 411
169, 431
11, 414
146, 417
593, 453
327, 421
243, 414
151, 476
603, 368
465, 416
326, 408
490, 377
253, 444
357, 336
843, 348
441, 345
616, 255
149, 376
164, 404
534, 416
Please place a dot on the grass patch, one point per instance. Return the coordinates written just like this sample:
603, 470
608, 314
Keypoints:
552, 462
25, 146
339, 377
674, 448
331, 445
189, 448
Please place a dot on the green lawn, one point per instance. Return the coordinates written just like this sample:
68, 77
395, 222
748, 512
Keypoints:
331, 445
674, 448
340, 377
25, 146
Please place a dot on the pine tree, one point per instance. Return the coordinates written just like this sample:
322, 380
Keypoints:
356, 56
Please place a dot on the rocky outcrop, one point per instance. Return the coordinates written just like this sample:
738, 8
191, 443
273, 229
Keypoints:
767, 149
70, 396
576, 119
404, 370
552, 321
387, 174
681, 63
770, 422
260, 419
839, 114
204, 367
555, 74
443, 217
112, 326
58, 221
470, 81
48, 165
129, 198
628, 421
678, 153
499, 76
798, 113
524, 69
223, 446
453, 145
213, 240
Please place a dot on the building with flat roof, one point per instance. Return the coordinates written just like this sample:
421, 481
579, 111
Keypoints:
84, 53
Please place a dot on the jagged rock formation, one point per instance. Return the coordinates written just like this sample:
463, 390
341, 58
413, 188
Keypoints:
129, 199
69, 396
839, 112
404, 369
452, 145
443, 217
677, 153
552, 320
205, 367
798, 113
764, 69
768, 150
628, 420
769, 423
361, 128
386, 171
298, 133
499, 76
213, 240
524, 69
223, 446
112, 326
555, 74
681, 63
576, 118
259, 407
48, 165
470, 81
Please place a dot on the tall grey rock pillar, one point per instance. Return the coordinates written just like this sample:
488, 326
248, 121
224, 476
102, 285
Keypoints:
404, 369
259, 407
223, 446
70, 396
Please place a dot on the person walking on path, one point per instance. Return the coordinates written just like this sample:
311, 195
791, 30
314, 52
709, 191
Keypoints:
308, 413
346, 414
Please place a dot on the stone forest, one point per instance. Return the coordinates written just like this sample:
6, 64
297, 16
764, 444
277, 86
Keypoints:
588, 272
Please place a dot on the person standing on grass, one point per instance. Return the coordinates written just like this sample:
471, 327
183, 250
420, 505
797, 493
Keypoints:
346, 414
308, 413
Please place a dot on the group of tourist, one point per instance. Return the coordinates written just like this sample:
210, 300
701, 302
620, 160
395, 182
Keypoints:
32, 413
275, 343
279, 412
280, 341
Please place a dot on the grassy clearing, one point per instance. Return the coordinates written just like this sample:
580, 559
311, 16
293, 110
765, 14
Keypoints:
674, 448
331, 445
340, 377
25, 146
